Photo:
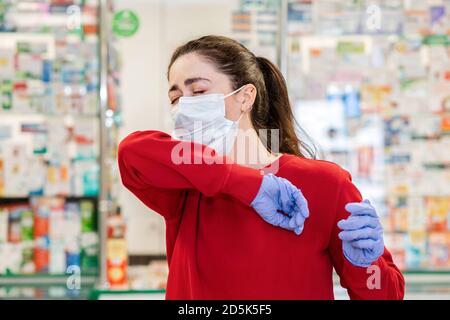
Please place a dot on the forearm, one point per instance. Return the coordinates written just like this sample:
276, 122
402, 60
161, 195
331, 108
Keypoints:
154, 159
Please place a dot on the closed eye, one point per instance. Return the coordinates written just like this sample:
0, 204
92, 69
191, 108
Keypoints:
198, 92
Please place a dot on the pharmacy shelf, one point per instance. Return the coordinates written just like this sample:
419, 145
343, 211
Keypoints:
43, 279
13, 198
428, 277
49, 115
418, 286
425, 290
420, 278
69, 198
127, 294
97, 14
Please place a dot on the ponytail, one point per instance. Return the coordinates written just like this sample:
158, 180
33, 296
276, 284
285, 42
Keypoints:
271, 109
275, 112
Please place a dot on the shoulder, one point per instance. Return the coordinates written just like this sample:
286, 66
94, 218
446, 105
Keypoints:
316, 170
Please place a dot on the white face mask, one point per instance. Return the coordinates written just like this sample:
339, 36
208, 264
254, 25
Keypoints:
202, 119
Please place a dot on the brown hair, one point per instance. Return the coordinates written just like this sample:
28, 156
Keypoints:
272, 108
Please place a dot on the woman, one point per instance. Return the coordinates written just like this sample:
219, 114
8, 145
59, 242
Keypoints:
213, 197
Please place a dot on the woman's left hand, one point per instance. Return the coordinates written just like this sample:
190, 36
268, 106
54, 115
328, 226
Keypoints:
362, 235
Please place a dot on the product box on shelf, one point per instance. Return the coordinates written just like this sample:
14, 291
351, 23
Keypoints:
396, 242
41, 254
116, 262
87, 216
438, 212
416, 250
439, 249
48, 236
10, 258
57, 263
4, 215
89, 251
2, 176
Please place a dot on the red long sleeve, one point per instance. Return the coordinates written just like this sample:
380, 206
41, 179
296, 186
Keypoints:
151, 166
219, 248
382, 280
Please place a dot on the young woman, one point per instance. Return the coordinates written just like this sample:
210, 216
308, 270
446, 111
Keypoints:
218, 247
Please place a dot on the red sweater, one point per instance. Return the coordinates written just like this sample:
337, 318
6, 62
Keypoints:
218, 247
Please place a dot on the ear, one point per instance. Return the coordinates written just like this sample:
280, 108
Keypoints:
248, 96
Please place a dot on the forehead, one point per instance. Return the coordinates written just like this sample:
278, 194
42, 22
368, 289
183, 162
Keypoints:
191, 65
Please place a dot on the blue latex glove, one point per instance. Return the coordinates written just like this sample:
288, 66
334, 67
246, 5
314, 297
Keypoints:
362, 235
278, 194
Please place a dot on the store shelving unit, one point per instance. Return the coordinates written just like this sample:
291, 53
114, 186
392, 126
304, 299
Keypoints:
377, 135
98, 86
375, 109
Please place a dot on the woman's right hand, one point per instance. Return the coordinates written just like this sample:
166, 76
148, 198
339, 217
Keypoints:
281, 204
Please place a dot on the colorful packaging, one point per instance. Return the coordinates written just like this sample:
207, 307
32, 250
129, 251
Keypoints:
41, 210
439, 249
36, 171
86, 178
116, 262
27, 263
14, 231
57, 223
398, 212
72, 217
26, 224
15, 168
396, 242
91, 180
3, 257
2, 176
4, 215
89, 251
445, 121
438, 211
417, 215
57, 257
6, 89
416, 251
41, 254
6, 63
11, 254
73, 256
87, 216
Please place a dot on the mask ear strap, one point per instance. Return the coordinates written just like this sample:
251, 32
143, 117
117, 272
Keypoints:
234, 92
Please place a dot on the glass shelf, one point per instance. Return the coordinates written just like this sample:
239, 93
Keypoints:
49, 114
68, 197
21, 280
117, 294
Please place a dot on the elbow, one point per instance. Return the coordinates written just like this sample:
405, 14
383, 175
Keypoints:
123, 150
396, 286
126, 147
401, 287
125, 155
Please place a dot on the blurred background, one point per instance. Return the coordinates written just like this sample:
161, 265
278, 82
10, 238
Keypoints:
369, 82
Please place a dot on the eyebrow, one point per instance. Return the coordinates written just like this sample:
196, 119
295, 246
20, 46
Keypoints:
187, 82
